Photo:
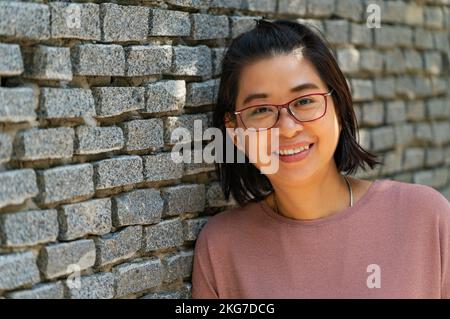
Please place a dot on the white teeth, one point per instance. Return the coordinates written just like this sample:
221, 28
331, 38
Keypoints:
293, 151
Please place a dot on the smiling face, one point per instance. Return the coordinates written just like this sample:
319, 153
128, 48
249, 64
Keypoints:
275, 78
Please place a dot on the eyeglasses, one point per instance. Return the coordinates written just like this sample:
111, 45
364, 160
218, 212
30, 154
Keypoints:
305, 108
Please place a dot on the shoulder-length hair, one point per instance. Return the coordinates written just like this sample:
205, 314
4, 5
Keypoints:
243, 180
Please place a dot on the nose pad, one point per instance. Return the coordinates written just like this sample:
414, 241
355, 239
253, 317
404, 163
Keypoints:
287, 121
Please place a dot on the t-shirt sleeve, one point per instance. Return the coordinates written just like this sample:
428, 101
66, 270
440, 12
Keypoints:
203, 282
444, 237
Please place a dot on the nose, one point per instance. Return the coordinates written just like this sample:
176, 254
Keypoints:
287, 125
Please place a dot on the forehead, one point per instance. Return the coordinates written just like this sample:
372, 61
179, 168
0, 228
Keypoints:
275, 76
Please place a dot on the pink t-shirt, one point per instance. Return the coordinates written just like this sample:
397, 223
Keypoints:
392, 243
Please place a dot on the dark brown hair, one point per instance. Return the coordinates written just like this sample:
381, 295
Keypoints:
243, 180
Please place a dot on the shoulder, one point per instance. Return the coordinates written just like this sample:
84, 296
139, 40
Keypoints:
228, 223
414, 197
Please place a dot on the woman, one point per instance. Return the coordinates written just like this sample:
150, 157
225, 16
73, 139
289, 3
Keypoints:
307, 230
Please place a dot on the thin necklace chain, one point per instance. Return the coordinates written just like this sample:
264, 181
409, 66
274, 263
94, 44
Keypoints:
349, 186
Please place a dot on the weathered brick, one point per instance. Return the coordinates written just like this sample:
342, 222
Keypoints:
75, 20
423, 39
38, 144
438, 108
423, 132
112, 101
414, 14
404, 133
123, 23
54, 290
58, 103
362, 89
440, 132
192, 227
371, 61
434, 178
217, 58
383, 138
177, 265
22, 20
415, 110
413, 60
16, 186
207, 26
414, 158
337, 31
441, 41
87, 218
183, 198
202, 93
10, 60
29, 227
395, 112
360, 34
394, 61
433, 62
65, 183
350, 9
373, 113
95, 139
384, 87
118, 246
161, 167
434, 17
166, 234
348, 59
48, 63
404, 87
422, 86
96, 286
98, 59
165, 96
191, 61
6, 147
118, 171
320, 8
142, 206
391, 10
188, 122
259, 5
392, 162
148, 59
17, 270
18, 104
240, 25
365, 138
294, 7
143, 134
169, 23
65, 258
229, 4
197, 4
138, 276
434, 156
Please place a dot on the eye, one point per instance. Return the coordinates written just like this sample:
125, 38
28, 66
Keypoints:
261, 110
304, 101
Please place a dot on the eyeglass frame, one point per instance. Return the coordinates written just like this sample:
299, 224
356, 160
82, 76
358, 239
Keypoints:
282, 106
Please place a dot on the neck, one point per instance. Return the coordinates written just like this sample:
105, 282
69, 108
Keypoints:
319, 196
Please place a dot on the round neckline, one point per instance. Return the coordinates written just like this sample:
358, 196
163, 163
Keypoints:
326, 219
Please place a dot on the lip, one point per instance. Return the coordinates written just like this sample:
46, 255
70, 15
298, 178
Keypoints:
296, 157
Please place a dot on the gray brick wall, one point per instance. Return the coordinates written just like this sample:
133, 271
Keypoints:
89, 96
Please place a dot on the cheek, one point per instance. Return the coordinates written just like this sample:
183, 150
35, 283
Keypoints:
328, 132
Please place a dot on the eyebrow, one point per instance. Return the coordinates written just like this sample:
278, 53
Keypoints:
298, 88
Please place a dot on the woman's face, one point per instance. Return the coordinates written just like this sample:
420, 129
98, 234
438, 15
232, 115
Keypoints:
275, 77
